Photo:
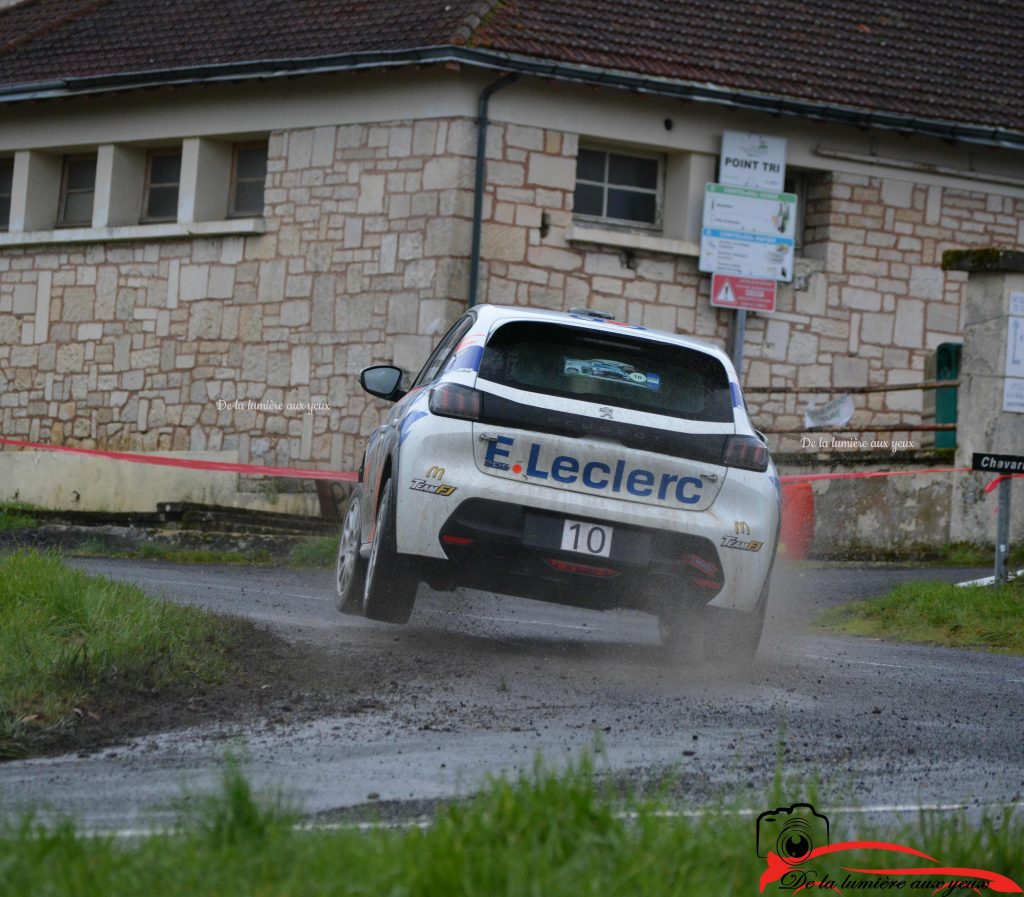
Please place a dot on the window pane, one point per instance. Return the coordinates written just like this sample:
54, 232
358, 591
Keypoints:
590, 165
249, 198
78, 208
631, 171
588, 200
251, 162
612, 369
6, 180
81, 174
165, 168
162, 203
632, 206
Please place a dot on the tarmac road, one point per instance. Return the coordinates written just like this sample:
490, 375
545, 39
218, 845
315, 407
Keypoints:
478, 684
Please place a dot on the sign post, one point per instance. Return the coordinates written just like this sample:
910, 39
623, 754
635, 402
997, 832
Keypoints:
1004, 464
747, 234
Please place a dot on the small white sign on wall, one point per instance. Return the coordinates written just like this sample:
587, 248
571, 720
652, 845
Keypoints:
1014, 347
1013, 395
752, 160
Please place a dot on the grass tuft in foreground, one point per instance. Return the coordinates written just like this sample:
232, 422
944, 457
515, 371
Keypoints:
16, 515
548, 833
980, 617
319, 552
67, 639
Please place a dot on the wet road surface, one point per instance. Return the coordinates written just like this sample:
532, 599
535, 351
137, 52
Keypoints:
478, 684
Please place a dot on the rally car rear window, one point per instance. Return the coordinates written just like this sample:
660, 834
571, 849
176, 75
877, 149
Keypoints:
608, 368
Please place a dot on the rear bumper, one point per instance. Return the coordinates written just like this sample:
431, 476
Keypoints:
505, 547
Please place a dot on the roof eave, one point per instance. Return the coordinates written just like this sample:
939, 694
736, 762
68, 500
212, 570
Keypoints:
712, 94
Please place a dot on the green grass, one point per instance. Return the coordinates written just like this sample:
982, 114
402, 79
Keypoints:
319, 552
980, 617
67, 637
17, 515
545, 834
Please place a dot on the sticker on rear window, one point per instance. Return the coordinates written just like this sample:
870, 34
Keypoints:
616, 371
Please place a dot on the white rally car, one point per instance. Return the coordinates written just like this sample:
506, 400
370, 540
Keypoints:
571, 458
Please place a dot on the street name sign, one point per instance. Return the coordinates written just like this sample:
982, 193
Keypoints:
997, 463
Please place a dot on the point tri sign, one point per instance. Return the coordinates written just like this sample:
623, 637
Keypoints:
752, 160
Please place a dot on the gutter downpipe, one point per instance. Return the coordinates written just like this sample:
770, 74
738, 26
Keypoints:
481, 177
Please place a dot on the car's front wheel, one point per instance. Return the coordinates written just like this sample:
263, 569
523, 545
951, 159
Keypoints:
350, 567
391, 578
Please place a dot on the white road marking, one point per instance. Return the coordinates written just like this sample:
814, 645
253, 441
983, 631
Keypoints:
990, 580
866, 663
896, 666
631, 815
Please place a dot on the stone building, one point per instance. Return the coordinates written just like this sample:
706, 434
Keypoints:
212, 212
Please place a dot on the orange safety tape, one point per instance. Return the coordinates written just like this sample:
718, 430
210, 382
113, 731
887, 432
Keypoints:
305, 473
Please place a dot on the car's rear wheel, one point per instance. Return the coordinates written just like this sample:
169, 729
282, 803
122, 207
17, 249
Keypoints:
683, 633
391, 578
733, 636
350, 567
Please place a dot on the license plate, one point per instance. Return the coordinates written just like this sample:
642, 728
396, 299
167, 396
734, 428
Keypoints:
587, 538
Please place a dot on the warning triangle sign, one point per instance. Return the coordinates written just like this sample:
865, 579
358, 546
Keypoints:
734, 291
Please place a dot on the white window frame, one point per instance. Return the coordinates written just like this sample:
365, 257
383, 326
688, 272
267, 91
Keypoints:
236, 149
66, 190
658, 191
148, 184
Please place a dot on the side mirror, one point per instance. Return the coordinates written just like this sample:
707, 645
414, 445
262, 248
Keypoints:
383, 381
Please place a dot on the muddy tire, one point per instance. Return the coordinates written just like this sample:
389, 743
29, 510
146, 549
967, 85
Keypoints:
683, 633
733, 636
391, 578
349, 567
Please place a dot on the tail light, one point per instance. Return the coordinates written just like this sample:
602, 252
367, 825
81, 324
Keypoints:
747, 452
453, 400
582, 569
706, 574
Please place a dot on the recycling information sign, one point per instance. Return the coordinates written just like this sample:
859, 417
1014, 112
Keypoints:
748, 232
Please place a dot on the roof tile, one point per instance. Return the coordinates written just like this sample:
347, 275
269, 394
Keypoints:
939, 59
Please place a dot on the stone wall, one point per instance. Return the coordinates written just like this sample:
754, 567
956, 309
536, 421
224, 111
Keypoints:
881, 303
163, 345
